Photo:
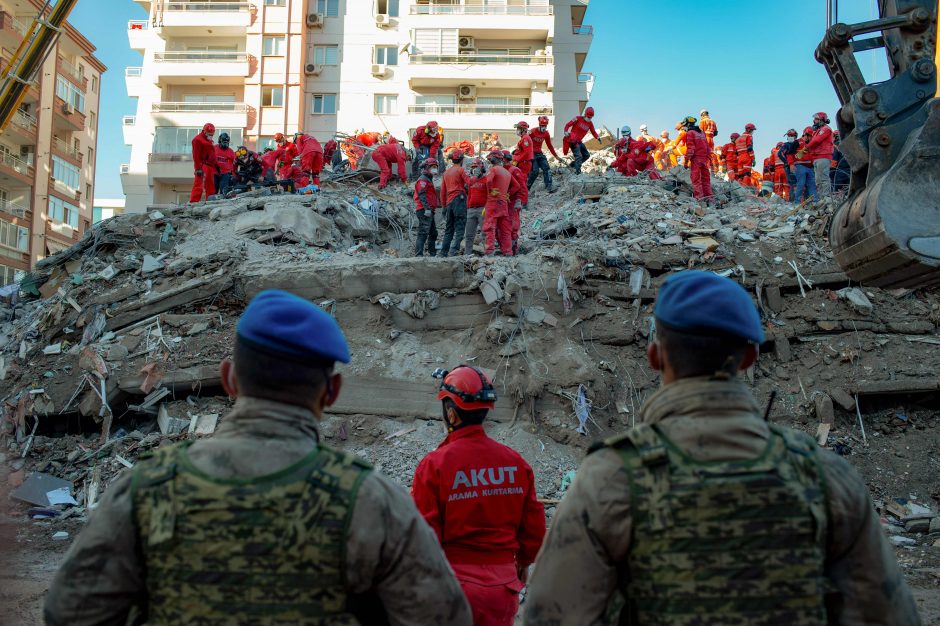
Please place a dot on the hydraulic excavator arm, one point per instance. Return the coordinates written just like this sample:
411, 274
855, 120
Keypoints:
887, 232
29, 57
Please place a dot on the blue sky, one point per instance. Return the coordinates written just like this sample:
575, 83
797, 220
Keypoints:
655, 62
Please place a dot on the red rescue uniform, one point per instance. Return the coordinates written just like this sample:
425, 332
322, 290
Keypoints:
637, 156
453, 183
781, 184
311, 156
422, 138
384, 156
225, 159
729, 159
578, 128
697, 156
204, 166
523, 154
822, 144
427, 187
540, 138
497, 225
518, 197
479, 497
476, 194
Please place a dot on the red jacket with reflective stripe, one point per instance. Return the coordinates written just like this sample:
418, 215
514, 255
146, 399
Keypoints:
477, 194
744, 145
479, 497
729, 155
696, 146
822, 144
539, 137
427, 186
578, 128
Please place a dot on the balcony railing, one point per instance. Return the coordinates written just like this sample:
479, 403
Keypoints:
25, 120
482, 59
169, 157
16, 25
464, 9
200, 56
200, 107
583, 29
71, 70
66, 149
480, 109
13, 208
228, 7
18, 165
138, 25
133, 72
129, 120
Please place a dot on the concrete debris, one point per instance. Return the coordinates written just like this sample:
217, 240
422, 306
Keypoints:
857, 299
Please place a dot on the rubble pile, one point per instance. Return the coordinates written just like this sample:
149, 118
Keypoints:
119, 351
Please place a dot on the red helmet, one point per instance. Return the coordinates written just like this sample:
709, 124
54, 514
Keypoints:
523, 124
507, 156
431, 125
456, 155
278, 137
749, 128
543, 120
821, 116
209, 127
589, 112
468, 388
791, 132
495, 156
429, 163
808, 130
734, 136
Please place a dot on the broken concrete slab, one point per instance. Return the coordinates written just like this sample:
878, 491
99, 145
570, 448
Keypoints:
842, 398
303, 222
37, 487
189, 292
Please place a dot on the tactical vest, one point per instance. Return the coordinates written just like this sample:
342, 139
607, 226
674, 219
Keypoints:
724, 542
266, 551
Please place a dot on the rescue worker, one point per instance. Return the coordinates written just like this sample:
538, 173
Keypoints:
476, 200
819, 150
744, 149
427, 141
260, 523
518, 200
332, 154
645, 134
787, 155
384, 156
781, 184
679, 148
454, 200
705, 513
698, 156
269, 160
636, 156
497, 223
426, 203
767, 174
540, 136
621, 146
247, 166
225, 160
311, 155
204, 164
667, 157
479, 497
805, 174
288, 152
710, 128
575, 131
524, 152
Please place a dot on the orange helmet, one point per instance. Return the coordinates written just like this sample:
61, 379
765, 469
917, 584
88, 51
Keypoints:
209, 128
543, 120
468, 388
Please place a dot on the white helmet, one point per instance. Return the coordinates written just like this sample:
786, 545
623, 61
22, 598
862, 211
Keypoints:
643, 128
703, 112
625, 131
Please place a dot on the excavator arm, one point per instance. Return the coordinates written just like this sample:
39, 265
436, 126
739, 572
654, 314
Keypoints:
887, 232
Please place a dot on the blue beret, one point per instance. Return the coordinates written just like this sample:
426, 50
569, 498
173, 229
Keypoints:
697, 301
282, 323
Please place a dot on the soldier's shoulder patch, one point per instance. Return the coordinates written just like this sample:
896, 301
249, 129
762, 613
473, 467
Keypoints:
795, 440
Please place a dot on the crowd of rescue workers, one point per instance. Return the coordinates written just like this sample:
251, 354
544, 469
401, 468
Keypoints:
492, 196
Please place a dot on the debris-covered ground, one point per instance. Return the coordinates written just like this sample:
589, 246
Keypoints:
119, 353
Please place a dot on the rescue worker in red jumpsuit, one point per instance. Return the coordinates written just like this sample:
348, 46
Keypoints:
636, 156
744, 148
819, 151
710, 128
575, 131
454, 200
729, 157
767, 173
476, 200
517, 201
427, 141
225, 158
204, 164
311, 155
497, 223
288, 152
524, 152
781, 182
426, 203
541, 136
479, 496
697, 156
331, 152
384, 156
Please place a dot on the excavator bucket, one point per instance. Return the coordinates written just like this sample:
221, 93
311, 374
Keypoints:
887, 232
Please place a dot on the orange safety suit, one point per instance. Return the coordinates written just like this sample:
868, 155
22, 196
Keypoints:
729, 160
781, 184
744, 147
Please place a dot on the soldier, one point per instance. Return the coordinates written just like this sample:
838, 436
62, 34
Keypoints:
260, 524
707, 514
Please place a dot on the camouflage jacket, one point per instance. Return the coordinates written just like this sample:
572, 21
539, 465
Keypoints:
576, 573
393, 557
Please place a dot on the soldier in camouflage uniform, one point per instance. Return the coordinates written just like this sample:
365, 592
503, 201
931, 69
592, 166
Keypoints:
260, 524
707, 514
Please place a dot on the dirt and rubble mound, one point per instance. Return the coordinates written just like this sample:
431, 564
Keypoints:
112, 347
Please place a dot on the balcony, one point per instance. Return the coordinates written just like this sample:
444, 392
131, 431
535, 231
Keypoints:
181, 19
200, 67
170, 168
480, 109
16, 169
72, 73
14, 209
138, 34
66, 116
62, 190
66, 151
223, 114
24, 126
129, 126
504, 71
134, 81
12, 30
526, 9
529, 20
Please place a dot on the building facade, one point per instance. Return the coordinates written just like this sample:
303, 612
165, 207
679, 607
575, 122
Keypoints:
106, 208
338, 66
48, 152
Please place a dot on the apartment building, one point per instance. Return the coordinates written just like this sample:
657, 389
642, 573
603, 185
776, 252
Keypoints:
47, 153
327, 66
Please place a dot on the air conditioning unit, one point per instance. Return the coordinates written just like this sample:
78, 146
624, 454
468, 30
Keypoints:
379, 71
466, 92
314, 20
312, 70
17, 211
382, 20
67, 109
466, 43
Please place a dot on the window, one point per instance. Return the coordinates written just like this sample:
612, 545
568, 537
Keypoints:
387, 7
13, 236
386, 104
91, 155
386, 55
328, 8
87, 190
436, 41
93, 122
274, 3
266, 142
10, 275
204, 98
62, 211
178, 139
323, 104
94, 84
274, 46
437, 104
326, 55
65, 173
70, 93
272, 96
503, 105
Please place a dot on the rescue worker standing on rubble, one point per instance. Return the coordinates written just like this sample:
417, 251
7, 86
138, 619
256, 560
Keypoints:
524, 152
387, 154
705, 513
497, 223
667, 156
710, 128
479, 497
427, 141
698, 155
204, 164
225, 160
476, 200
744, 149
311, 155
454, 200
518, 198
260, 523
819, 150
426, 203
541, 136
575, 132
805, 188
